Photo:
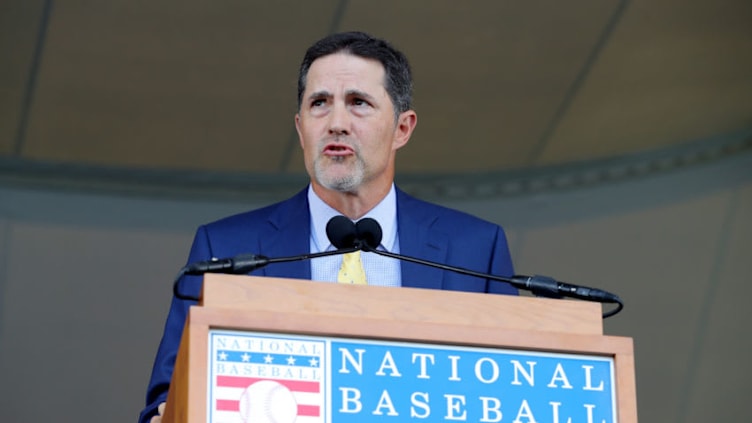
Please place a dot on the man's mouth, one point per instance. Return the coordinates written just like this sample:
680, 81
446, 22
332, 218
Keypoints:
338, 150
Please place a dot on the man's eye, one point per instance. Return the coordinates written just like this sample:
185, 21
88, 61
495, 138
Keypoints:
359, 102
317, 103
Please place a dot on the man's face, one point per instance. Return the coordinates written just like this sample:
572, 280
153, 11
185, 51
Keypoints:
346, 124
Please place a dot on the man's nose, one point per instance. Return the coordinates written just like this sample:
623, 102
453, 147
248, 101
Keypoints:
339, 120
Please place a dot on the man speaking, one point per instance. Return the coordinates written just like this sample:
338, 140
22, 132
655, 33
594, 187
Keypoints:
354, 113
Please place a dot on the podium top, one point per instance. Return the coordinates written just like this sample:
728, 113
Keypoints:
395, 304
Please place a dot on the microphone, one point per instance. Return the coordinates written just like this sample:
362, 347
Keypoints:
342, 232
364, 235
369, 233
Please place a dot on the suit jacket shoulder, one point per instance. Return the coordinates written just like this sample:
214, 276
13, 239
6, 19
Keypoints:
278, 230
443, 235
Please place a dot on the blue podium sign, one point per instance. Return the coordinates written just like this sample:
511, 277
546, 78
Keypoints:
266, 377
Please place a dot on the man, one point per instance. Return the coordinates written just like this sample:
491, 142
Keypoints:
354, 113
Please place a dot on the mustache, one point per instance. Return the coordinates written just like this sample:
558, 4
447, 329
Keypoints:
338, 138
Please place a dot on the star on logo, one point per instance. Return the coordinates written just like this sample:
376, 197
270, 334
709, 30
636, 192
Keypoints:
268, 359
291, 360
246, 357
222, 355
313, 362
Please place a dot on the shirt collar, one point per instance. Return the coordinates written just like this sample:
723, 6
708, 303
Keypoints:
385, 212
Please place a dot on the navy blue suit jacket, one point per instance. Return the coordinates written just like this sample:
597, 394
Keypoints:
426, 231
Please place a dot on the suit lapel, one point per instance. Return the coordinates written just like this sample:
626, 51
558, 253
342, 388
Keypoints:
288, 234
289, 230
416, 239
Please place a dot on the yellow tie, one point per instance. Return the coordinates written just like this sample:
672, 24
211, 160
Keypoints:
352, 269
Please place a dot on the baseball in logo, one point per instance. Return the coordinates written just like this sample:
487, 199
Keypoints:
268, 401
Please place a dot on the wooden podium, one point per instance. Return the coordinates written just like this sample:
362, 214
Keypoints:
435, 322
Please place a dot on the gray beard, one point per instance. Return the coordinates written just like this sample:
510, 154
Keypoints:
346, 183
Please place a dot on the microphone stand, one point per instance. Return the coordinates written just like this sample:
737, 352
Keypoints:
366, 236
539, 285
241, 264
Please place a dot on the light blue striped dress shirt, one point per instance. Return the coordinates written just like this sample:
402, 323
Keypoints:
382, 271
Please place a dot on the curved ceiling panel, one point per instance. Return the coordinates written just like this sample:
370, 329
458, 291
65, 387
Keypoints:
500, 86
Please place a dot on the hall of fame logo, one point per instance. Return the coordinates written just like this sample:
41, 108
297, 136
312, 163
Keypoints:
278, 378
265, 378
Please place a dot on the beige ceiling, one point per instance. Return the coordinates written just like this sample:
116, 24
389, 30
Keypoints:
500, 84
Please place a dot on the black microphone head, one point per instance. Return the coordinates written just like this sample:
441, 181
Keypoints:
369, 233
341, 232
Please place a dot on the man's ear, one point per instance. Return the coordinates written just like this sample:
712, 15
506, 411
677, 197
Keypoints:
406, 123
297, 128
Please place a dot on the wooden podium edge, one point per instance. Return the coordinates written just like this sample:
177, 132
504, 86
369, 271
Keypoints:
346, 301
189, 375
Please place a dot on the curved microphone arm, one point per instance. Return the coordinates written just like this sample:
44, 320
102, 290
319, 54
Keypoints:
241, 264
539, 285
